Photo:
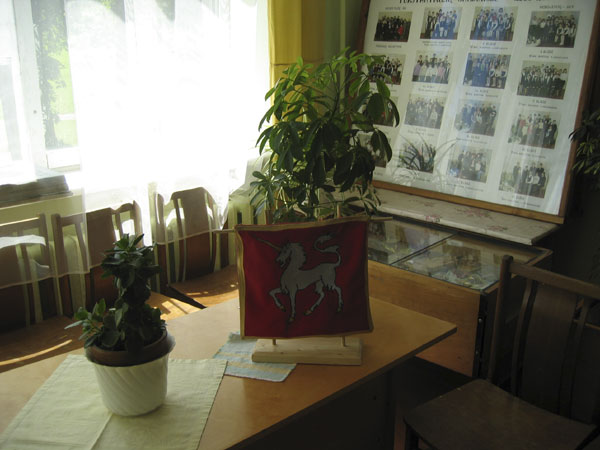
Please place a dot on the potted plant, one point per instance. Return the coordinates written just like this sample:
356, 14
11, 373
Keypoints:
128, 343
320, 161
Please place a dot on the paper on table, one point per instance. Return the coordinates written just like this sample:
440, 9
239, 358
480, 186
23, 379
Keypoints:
67, 411
238, 353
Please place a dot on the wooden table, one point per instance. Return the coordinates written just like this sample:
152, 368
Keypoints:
249, 412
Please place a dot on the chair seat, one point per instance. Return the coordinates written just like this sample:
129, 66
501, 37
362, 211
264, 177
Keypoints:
479, 415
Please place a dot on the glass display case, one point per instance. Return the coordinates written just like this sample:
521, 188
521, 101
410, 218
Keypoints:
392, 240
442, 254
463, 261
445, 273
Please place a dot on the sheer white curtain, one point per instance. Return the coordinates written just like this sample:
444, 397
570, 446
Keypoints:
166, 91
126, 98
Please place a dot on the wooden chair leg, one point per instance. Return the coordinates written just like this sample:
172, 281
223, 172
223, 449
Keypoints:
390, 410
411, 439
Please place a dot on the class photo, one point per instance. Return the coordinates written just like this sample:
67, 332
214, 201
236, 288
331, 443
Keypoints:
486, 70
552, 29
535, 129
440, 23
425, 111
432, 67
469, 163
543, 79
476, 117
393, 27
525, 176
493, 24
390, 71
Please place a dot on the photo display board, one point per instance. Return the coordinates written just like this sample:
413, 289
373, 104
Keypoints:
488, 93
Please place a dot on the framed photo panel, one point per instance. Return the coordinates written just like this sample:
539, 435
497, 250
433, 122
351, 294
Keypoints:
488, 94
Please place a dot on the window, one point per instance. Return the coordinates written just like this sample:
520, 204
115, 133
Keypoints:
125, 93
54, 78
10, 145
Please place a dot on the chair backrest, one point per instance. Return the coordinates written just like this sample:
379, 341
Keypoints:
102, 228
197, 208
27, 273
69, 263
59, 225
195, 222
194, 209
105, 226
555, 356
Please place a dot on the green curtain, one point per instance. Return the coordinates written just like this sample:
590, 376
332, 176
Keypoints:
296, 28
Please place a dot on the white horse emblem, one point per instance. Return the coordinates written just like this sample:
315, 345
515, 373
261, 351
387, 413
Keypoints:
294, 278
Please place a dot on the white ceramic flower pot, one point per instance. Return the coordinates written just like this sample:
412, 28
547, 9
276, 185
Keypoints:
133, 383
133, 390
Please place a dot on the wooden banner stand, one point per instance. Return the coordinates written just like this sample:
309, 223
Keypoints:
346, 351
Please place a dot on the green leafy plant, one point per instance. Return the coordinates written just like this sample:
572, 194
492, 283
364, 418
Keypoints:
420, 157
317, 164
587, 157
131, 323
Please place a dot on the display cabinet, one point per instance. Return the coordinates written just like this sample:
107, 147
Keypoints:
447, 274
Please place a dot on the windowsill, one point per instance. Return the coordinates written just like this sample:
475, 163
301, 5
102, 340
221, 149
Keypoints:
33, 186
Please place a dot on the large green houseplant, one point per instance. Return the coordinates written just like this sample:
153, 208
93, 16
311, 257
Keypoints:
128, 343
319, 161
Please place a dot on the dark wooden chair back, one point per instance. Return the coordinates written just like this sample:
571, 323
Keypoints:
94, 236
193, 234
194, 209
555, 358
27, 274
65, 265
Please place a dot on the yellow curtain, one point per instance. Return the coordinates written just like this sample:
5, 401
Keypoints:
296, 28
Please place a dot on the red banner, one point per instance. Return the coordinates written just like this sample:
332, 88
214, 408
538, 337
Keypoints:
306, 279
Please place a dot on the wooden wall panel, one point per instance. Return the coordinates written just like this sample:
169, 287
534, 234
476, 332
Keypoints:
435, 298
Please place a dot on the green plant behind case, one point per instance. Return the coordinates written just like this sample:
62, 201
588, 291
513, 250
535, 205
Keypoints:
318, 115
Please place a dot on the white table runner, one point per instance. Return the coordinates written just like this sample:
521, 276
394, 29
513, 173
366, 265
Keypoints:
67, 412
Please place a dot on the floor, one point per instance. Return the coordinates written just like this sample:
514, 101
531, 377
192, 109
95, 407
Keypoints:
50, 338
208, 290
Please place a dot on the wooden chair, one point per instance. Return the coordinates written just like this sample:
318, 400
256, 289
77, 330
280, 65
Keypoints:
64, 269
27, 295
27, 291
74, 241
553, 375
188, 259
94, 236
104, 227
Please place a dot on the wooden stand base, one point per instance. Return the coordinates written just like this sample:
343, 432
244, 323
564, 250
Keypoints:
312, 350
